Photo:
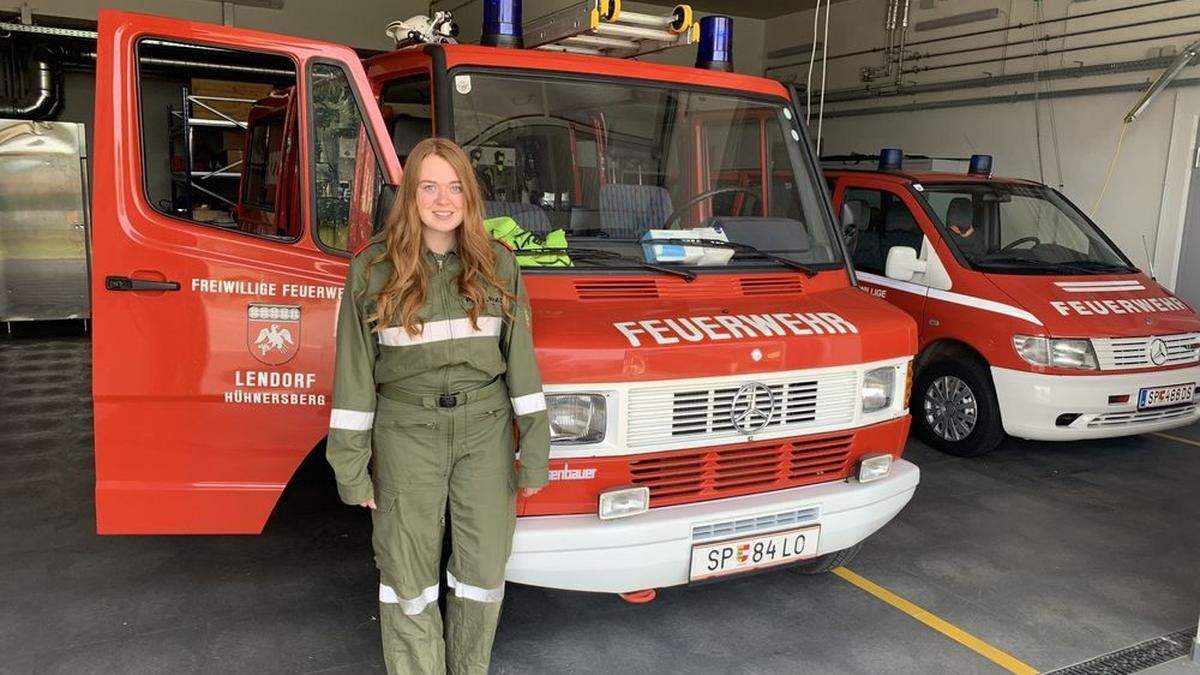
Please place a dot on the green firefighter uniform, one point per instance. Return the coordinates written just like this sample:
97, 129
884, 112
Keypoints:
419, 420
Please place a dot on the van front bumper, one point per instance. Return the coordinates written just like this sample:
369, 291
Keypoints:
654, 549
1031, 404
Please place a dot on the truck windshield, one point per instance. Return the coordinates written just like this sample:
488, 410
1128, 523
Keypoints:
597, 164
1012, 228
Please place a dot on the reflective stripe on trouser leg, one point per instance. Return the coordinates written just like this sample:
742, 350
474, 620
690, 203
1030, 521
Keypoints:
410, 499
482, 515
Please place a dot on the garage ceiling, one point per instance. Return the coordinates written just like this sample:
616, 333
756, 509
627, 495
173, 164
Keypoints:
755, 9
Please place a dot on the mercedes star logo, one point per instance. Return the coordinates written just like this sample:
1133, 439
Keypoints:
1157, 351
752, 409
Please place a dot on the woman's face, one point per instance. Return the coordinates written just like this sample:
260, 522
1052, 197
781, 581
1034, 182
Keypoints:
439, 195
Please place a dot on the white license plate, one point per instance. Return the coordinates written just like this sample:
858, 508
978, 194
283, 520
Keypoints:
1158, 397
741, 555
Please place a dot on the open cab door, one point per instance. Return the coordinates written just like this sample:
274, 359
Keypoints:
221, 240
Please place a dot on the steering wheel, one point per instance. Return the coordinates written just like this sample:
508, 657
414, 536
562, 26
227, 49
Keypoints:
708, 194
1013, 244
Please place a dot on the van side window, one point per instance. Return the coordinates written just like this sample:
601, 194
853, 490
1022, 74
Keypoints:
345, 171
408, 111
888, 223
198, 109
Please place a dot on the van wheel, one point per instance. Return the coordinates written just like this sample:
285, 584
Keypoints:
955, 409
827, 562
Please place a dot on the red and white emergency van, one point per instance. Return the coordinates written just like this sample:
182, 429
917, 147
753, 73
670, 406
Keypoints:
1032, 322
707, 419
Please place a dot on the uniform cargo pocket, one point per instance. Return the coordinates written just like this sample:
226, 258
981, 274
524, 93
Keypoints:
385, 499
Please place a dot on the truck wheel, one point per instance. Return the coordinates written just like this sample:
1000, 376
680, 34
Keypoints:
954, 407
827, 562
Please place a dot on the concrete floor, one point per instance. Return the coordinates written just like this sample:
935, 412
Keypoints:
1052, 553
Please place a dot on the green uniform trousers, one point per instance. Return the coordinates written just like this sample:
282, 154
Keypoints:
426, 453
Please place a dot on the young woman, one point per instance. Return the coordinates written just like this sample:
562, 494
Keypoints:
434, 362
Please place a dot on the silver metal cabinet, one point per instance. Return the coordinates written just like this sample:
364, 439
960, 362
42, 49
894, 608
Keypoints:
43, 221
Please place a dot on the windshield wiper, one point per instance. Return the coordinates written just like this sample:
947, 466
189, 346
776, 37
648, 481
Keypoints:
598, 255
738, 248
1099, 266
1078, 266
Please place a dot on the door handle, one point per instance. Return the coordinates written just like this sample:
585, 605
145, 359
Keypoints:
126, 284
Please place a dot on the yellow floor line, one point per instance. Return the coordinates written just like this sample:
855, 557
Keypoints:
1181, 439
1009, 663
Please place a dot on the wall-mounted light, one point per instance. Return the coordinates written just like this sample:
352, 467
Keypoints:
1182, 61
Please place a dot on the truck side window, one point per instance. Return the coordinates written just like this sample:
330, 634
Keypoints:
197, 126
345, 171
408, 111
890, 224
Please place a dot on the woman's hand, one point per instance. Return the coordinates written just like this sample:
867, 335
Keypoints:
370, 503
529, 492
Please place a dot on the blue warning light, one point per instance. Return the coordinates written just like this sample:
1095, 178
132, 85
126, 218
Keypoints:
502, 24
716, 43
981, 165
891, 159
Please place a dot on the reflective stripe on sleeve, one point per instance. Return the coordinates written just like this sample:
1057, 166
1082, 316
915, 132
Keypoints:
436, 331
350, 420
529, 403
387, 594
469, 592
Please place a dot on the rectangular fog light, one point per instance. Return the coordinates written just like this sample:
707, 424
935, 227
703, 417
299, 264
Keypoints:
624, 502
874, 467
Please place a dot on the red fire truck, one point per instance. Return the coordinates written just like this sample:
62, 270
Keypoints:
1033, 323
708, 419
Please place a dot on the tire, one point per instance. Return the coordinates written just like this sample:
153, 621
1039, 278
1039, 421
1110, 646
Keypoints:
954, 407
827, 562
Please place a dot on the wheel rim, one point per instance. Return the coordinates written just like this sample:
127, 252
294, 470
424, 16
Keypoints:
950, 408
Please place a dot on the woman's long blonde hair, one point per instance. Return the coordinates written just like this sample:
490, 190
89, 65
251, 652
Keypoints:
402, 296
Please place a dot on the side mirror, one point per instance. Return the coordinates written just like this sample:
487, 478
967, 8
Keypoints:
849, 227
902, 263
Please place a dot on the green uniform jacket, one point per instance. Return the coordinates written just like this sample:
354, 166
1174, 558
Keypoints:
449, 355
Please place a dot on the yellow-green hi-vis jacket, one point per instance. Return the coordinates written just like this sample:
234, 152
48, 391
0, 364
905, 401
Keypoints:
448, 356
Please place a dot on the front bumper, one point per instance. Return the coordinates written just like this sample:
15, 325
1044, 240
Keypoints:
653, 550
1030, 403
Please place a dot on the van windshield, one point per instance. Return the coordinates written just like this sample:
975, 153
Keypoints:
1012, 228
597, 164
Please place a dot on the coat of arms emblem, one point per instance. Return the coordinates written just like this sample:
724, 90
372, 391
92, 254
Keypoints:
273, 332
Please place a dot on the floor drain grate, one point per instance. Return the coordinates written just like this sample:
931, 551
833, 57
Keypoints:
1138, 657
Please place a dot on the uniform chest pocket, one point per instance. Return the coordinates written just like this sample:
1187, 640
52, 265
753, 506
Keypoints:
493, 305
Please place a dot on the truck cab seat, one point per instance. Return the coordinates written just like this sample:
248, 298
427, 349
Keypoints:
628, 210
530, 217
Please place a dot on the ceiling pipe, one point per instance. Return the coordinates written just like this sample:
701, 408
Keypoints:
47, 96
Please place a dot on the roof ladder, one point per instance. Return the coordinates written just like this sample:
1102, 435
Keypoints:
600, 28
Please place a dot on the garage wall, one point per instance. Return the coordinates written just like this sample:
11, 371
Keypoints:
357, 23
1148, 190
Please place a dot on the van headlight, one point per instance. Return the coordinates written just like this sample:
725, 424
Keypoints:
576, 418
874, 467
1059, 353
879, 388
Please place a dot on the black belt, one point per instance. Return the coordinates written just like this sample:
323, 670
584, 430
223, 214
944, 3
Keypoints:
394, 393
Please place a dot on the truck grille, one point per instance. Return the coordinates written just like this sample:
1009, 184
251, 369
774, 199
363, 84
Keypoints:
1135, 417
691, 476
670, 414
755, 524
1134, 352
712, 287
